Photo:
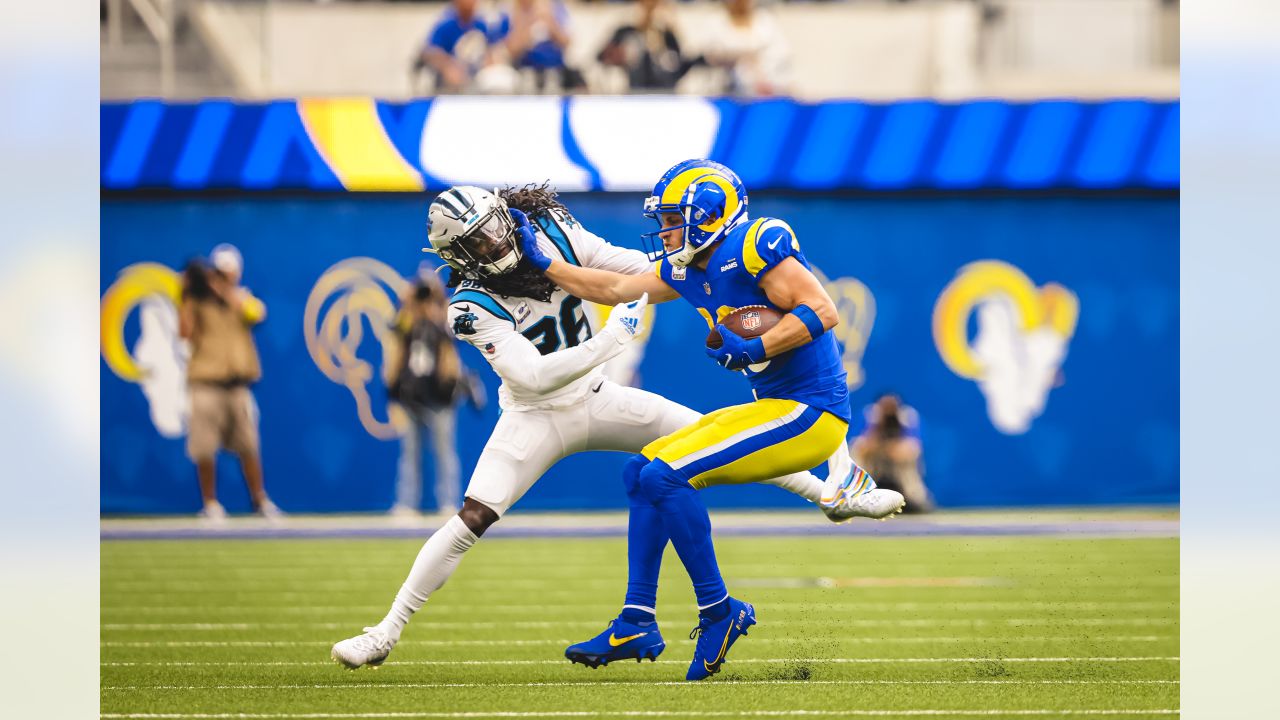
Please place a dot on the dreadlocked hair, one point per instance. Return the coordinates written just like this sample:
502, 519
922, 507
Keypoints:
525, 281
532, 199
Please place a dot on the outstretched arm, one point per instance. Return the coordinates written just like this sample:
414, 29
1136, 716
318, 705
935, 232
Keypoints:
603, 287
606, 287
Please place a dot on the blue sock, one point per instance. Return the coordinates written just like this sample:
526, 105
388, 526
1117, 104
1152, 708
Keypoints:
646, 540
685, 518
716, 612
635, 616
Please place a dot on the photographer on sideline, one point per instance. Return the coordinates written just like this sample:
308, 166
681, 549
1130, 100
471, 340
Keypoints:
215, 317
889, 449
427, 382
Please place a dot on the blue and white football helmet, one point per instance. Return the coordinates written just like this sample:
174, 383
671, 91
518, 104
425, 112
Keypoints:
709, 196
472, 230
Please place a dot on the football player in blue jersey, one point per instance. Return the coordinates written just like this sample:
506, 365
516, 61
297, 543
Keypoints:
708, 251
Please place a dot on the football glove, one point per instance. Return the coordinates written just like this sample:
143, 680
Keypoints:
626, 320
528, 243
735, 351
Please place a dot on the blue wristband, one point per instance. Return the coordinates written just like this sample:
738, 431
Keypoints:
810, 319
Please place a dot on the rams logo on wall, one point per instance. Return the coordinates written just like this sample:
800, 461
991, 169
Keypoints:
1022, 338
158, 360
348, 295
857, 309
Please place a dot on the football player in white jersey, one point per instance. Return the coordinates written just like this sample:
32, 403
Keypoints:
547, 349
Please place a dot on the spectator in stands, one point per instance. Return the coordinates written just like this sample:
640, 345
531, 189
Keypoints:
458, 46
748, 44
535, 34
648, 50
215, 316
428, 380
889, 448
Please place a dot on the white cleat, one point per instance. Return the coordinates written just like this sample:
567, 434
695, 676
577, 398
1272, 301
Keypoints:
371, 648
850, 492
876, 503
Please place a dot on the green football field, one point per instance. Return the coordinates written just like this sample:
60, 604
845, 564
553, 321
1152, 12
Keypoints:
857, 626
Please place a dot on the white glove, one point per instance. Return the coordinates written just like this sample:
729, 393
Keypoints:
626, 320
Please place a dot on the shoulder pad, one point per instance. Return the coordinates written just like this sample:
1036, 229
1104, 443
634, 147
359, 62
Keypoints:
469, 300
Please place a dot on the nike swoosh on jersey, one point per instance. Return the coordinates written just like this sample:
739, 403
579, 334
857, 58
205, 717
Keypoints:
774, 244
615, 641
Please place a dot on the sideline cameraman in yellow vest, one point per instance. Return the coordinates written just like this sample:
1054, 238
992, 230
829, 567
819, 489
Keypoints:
216, 317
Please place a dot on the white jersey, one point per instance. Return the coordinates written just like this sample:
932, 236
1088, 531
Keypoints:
518, 335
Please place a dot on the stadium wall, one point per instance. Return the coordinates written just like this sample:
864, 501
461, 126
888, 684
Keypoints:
1037, 336
622, 143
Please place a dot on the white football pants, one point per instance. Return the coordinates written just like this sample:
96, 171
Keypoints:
526, 443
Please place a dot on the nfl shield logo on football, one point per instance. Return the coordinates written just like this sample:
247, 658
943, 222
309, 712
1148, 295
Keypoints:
751, 320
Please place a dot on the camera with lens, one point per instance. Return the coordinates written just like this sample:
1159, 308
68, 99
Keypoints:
196, 277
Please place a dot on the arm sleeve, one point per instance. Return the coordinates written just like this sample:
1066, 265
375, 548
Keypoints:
440, 37
768, 243
518, 362
595, 252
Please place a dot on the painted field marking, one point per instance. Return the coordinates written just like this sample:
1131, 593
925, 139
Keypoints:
1143, 658
151, 587
444, 609
483, 643
915, 622
666, 683
859, 641
640, 713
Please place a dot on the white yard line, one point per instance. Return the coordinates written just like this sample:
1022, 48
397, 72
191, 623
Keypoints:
151, 587
858, 641
561, 641
641, 713
1002, 605
727, 684
886, 622
1144, 658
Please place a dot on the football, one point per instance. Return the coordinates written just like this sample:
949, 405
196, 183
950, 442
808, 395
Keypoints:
749, 322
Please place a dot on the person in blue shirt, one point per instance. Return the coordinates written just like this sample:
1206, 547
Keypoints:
709, 252
535, 34
458, 45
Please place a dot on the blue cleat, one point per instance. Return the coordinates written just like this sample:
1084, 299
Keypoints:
716, 637
620, 641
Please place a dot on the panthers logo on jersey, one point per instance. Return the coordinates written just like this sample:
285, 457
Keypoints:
465, 324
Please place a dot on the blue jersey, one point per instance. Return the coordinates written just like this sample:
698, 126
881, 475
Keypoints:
544, 53
812, 373
449, 32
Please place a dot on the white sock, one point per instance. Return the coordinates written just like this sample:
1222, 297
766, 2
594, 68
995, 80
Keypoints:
805, 484
436, 561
